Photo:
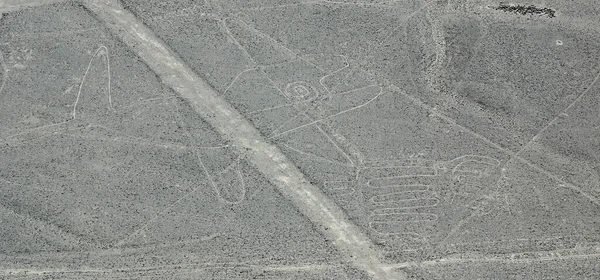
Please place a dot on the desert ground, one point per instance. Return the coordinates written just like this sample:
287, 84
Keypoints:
299, 139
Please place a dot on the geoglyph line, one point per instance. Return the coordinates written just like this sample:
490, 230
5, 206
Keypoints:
15, 5
356, 248
102, 50
167, 269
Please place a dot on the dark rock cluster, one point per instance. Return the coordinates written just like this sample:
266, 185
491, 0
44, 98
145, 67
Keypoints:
525, 10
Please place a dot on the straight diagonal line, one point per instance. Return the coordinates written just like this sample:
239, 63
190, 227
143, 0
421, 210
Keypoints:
354, 246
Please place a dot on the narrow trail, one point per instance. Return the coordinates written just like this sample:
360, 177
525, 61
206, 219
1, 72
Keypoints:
355, 247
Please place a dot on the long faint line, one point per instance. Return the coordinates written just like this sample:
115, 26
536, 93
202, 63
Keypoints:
4, 73
169, 268
158, 215
418, 10
557, 117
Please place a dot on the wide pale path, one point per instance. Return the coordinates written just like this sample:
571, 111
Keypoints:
357, 249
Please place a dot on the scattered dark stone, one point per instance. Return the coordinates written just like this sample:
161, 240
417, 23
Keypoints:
525, 10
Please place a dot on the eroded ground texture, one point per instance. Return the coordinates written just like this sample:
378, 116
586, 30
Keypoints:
299, 139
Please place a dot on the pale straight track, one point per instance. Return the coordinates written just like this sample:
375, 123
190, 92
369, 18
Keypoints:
355, 247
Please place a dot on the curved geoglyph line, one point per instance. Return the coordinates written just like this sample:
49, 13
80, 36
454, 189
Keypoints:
228, 184
308, 99
64, 127
24, 136
311, 97
231, 192
101, 51
408, 200
300, 91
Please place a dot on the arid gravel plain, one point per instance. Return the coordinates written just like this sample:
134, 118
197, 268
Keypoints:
299, 139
